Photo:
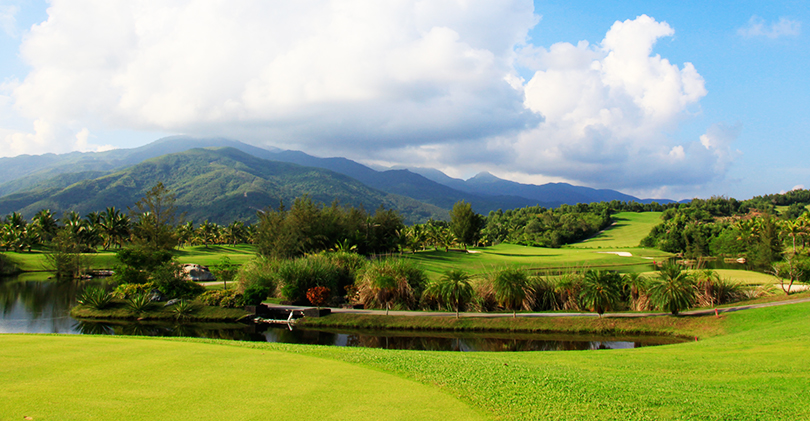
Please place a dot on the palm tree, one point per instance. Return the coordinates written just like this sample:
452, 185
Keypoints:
673, 289
452, 288
511, 286
601, 290
385, 285
637, 285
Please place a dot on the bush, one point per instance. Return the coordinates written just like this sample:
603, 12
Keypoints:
171, 281
261, 272
254, 295
544, 294
122, 292
397, 277
138, 303
319, 295
184, 309
228, 298
297, 276
95, 297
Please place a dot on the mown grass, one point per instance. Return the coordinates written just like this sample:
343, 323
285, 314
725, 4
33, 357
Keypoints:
628, 230
35, 260
755, 370
542, 260
112, 378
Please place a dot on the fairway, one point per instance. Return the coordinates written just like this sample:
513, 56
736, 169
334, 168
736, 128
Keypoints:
544, 260
628, 230
109, 378
752, 368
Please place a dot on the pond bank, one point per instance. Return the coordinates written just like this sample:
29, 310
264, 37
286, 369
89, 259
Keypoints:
118, 311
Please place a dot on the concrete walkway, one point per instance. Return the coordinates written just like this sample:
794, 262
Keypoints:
501, 315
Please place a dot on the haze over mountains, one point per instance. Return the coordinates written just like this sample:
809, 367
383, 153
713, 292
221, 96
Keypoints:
231, 180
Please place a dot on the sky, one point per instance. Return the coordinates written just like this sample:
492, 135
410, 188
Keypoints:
655, 99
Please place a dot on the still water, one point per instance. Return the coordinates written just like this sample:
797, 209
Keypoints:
33, 304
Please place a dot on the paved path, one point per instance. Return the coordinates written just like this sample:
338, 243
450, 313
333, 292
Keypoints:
496, 315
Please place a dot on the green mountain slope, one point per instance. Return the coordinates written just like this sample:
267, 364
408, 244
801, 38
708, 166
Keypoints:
221, 185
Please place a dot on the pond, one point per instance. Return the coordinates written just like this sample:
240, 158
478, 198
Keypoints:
34, 304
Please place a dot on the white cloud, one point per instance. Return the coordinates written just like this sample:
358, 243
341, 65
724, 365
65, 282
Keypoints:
757, 27
312, 73
426, 82
608, 109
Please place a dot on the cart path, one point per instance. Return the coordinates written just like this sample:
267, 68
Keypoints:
702, 312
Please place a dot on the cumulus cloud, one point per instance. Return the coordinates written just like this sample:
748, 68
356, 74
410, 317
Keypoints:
757, 27
424, 82
608, 109
295, 73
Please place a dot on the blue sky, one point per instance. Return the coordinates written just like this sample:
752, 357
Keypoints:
463, 86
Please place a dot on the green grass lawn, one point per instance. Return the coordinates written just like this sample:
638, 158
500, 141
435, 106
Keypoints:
207, 256
484, 259
628, 230
753, 368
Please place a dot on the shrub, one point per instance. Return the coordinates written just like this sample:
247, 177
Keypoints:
138, 303
254, 295
171, 281
319, 295
544, 294
297, 276
122, 292
261, 272
184, 309
390, 281
95, 297
228, 298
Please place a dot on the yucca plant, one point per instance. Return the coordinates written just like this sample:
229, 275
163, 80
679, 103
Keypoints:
184, 309
95, 297
138, 303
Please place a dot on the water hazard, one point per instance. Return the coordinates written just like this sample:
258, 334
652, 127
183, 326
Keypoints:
32, 304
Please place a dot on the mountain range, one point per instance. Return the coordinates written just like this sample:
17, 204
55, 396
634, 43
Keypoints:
222, 180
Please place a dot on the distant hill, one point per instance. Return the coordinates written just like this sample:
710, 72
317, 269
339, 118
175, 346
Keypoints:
28, 177
552, 194
221, 185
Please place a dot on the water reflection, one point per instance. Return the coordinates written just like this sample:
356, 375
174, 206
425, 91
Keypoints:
34, 304
465, 342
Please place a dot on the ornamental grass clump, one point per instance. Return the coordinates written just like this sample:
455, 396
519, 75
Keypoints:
95, 297
138, 303
388, 283
184, 309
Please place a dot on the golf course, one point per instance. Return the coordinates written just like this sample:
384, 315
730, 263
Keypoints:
740, 365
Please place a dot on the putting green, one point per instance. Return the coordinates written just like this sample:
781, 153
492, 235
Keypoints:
101, 378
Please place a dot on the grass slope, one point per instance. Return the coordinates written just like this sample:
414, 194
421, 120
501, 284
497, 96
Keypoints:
535, 258
628, 230
754, 371
103, 378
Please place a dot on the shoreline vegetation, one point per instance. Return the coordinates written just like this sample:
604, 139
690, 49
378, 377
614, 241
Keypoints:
644, 383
